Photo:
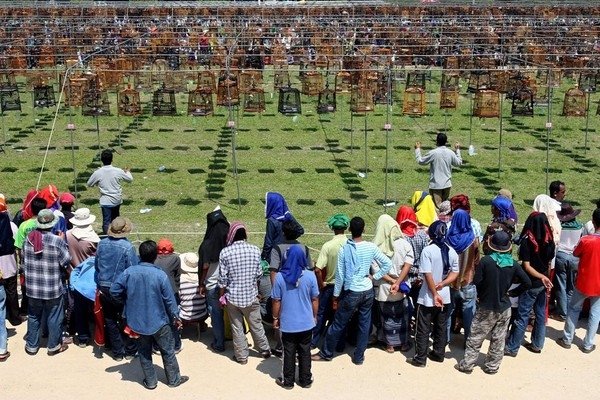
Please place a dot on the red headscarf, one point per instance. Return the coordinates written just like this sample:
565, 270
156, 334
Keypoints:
50, 194
165, 246
407, 219
26, 212
460, 201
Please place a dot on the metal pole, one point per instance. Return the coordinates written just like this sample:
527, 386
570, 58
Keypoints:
351, 132
387, 140
548, 129
471, 121
587, 121
500, 143
73, 159
366, 159
98, 132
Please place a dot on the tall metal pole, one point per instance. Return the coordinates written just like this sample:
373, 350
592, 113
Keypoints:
587, 120
500, 143
548, 127
387, 128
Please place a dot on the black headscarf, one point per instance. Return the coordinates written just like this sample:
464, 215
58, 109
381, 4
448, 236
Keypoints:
7, 245
437, 233
214, 238
538, 232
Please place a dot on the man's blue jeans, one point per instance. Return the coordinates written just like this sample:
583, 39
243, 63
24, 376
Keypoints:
166, 344
533, 298
565, 268
121, 345
216, 318
350, 302
575, 307
53, 311
466, 299
324, 314
3, 332
108, 214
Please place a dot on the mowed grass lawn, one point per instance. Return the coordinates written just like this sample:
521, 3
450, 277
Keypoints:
316, 161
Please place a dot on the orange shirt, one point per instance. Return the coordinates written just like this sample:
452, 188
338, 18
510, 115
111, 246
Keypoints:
588, 274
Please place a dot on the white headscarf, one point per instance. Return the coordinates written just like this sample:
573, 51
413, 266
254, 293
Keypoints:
547, 205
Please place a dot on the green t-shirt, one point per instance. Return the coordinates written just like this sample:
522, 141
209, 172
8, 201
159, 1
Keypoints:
23, 231
329, 255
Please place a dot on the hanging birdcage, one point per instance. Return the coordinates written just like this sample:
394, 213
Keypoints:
574, 104
361, 100
343, 82
312, 83
414, 101
289, 101
416, 79
449, 91
522, 103
254, 101
327, 101
95, 100
248, 80
163, 102
588, 81
7, 78
479, 80
143, 81
385, 87
75, 90
176, 80
128, 102
43, 96
9, 98
200, 102
227, 91
281, 76
206, 80
486, 104
499, 81
159, 71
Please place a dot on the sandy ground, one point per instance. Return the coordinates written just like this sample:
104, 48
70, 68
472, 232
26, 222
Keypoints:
91, 374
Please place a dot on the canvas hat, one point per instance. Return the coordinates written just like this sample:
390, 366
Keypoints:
506, 193
444, 208
46, 219
82, 217
189, 262
500, 242
66, 198
567, 212
119, 227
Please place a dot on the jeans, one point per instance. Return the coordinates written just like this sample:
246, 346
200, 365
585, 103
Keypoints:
296, 343
12, 300
82, 313
216, 318
533, 298
466, 299
3, 332
565, 269
108, 214
324, 314
164, 339
120, 344
252, 314
350, 302
53, 312
575, 306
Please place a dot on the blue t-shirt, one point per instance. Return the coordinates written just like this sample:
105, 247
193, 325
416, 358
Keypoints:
296, 302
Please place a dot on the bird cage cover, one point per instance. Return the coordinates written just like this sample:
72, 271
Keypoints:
361, 100
9, 98
227, 92
416, 79
575, 103
163, 102
487, 104
254, 101
289, 101
414, 101
200, 102
479, 80
43, 96
522, 103
95, 103
448, 99
312, 83
128, 102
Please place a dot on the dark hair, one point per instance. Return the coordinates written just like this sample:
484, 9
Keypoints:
37, 205
555, 187
240, 234
596, 217
357, 227
148, 251
441, 139
106, 157
289, 230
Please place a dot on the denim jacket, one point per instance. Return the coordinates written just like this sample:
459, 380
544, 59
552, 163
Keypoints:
112, 258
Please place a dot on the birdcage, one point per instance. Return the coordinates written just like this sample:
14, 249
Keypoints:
206, 80
343, 82
312, 83
254, 100
200, 102
227, 91
449, 90
486, 104
128, 102
479, 80
289, 101
9, 98
249, 79
327, 101
75, 90
414, 101
499, 80
95, 100
522, 103
159, 71
361, 100
281, 76
416, 79
163, 102
589, 81
143, 81
574, 104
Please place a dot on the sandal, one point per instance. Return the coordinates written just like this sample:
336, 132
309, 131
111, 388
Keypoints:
4, 356
390, 349
62, 348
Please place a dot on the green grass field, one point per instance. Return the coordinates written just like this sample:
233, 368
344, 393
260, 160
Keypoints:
313, 160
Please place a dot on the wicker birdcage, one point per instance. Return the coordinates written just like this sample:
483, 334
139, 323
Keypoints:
343, 82
227, 91
289, 101
479, 80
414, 101
75, 90
163, 102
384, 89
47, 58
206, 80
574, 104
95, 102
486, 104
249, 79
312, 83
416, 79
522, 103
327, 101
128, 102
200, 102
589, 81
499, 80
254, 100
361, 100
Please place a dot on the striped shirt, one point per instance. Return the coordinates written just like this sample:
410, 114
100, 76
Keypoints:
43, 272
239, 271
359, 280
192, 306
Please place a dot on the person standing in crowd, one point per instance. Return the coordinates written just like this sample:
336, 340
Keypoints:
587, 286
444, 212
325, 271
276, 212
83, 290
45, 259
439, 266
192, 305
536, 251
169, 262
557, 191
353, 276
66, 201
8, 266
108, 179
461, 202
295, 298
239, 272
215, 240
82, 239
566, 265
440, 160
424, 208
151, 310
114, 255
502, 219
493, 277
549, 206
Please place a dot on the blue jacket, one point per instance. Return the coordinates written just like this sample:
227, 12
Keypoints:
148, 296
82, 279
112, 258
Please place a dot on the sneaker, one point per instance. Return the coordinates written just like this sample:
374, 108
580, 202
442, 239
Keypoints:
183, 379
4, 356
355, 362
532, 348
509, 353
489, 371
118, 358
265, 353
306, 385
242, 361
148, 386
130, 357
63, 347
435, 357
415, 363
588, 350
463, 370
277, 353
82, 343
280, 382
563, 343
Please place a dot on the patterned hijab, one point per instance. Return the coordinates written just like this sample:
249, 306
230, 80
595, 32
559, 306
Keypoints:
233, 228
437, 234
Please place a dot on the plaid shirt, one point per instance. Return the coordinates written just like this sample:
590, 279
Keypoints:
239, 271
418, 242
43, 272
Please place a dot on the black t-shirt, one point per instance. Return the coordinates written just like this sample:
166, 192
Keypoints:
536, 260
493, 283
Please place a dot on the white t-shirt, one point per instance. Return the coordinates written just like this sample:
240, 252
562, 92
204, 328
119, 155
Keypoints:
431, 262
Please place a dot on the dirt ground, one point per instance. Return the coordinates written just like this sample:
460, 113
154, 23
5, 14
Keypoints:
91, 374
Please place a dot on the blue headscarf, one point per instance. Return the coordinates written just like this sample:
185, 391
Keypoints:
460, 234
294, 264
505, 208
437, 234
276, 207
